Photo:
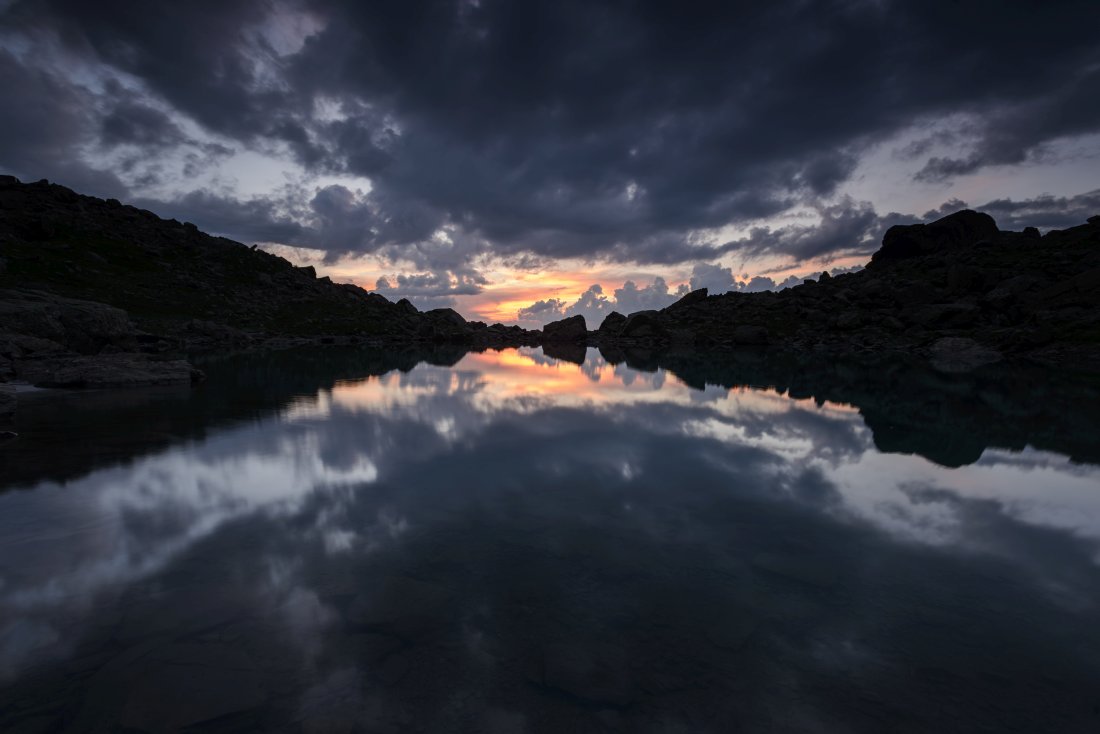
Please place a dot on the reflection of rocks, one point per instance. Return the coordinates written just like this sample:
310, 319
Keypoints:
950, 414
567, 351
709, 587
958, 354
103, 427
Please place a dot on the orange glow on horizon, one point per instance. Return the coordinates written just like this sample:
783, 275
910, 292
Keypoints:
509, 289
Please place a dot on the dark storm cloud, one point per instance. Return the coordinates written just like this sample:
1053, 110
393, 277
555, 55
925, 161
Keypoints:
847, 228
1046, 212
573, 128
262, 219
44, 120
1016, 133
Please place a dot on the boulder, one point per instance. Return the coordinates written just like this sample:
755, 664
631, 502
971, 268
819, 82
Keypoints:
444, 324
961, 229
612, 324
642, 324
82, 326
447, 316
565, 330
691, 298
406, 305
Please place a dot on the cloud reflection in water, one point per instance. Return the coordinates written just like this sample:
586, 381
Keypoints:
523, 542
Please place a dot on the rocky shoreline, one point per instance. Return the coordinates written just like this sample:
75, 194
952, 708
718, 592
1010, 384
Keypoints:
958, 292
94, 293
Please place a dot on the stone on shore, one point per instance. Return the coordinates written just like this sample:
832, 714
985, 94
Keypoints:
8, 401
961, 229
105, 370
571, 329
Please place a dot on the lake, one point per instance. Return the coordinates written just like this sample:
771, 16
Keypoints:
345, 540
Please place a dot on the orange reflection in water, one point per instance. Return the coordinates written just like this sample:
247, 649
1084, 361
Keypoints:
511, 377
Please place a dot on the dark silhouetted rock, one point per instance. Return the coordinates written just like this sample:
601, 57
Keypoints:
406, 305
691, 298
82, 326
447, 316
612, 323
642, 324
750, 335
961, 229
565, 330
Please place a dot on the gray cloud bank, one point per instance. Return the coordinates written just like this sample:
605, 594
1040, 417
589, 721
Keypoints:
555, 129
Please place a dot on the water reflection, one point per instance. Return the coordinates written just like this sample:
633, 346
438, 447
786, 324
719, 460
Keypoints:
509, 542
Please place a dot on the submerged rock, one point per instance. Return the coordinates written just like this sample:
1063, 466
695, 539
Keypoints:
960, 354
114, 370
8, 401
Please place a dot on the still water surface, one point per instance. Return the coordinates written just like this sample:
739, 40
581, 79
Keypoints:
352, 540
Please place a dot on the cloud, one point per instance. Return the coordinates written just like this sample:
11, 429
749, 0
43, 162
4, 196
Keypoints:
845, 228
544, 311
1019, 131
1046, 212
430, 290
715, 278
548, 129
594, 305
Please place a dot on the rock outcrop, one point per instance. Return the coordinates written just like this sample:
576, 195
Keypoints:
957, 291
571, 329
83, 276
193, 291
961, 229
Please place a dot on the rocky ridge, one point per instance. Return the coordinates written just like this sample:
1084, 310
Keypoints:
94, 293
958, 291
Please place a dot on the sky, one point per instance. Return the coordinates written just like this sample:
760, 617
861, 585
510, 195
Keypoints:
522, 161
